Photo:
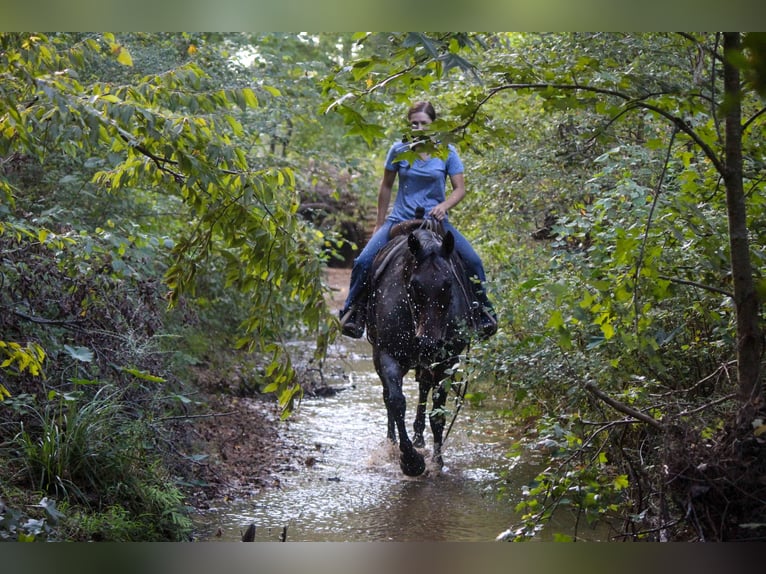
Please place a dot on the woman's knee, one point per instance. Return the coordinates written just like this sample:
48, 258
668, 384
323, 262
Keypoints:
468, 254
374, 245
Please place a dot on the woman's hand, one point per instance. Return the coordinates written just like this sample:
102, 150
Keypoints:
438, 212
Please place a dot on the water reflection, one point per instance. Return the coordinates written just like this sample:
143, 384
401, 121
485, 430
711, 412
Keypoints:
354, 489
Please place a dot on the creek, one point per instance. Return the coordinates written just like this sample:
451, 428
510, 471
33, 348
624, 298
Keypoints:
352, 489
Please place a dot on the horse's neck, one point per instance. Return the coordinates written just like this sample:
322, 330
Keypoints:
393, 249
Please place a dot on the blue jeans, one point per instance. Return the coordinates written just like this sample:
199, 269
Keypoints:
360, 272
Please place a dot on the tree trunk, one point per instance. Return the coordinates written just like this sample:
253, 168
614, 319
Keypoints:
749, 341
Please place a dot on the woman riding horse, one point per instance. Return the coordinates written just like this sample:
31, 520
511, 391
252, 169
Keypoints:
422, 184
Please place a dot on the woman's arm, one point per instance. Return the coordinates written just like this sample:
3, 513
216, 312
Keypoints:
439, 212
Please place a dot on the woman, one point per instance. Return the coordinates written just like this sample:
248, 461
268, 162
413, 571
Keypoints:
422, 184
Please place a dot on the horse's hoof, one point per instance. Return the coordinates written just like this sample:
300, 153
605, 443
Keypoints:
418, 441
412, 464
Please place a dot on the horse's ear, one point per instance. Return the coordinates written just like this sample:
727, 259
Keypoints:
448, 244
414, 244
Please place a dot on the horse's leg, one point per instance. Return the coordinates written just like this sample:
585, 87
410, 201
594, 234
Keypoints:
437, 420
392, 373
391, 425
420, 414
391, 434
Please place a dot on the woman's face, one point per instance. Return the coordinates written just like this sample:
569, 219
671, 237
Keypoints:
419, 120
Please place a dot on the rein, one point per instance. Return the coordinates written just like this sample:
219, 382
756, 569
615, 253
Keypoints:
459, 397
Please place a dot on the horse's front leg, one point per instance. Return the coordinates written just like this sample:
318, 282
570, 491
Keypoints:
437, 420
420, 414
391, 423
391, 374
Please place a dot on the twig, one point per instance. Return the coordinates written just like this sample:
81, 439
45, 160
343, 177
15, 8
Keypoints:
460, 396
698, 285
41, 321
723, 399
721, 369
623, 408
642, 251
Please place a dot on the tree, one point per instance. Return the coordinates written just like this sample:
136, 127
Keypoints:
747, 304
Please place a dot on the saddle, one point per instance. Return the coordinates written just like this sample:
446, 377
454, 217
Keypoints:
407, 227
418, 222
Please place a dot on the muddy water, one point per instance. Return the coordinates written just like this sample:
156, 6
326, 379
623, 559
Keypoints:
352, 488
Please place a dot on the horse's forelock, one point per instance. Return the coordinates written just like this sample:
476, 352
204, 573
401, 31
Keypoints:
424, 243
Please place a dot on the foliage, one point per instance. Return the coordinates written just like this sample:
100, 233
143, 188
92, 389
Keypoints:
619, 331
179, 134
87, 451
206, 170
140, 170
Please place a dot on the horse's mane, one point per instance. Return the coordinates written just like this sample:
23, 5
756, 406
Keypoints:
390, 251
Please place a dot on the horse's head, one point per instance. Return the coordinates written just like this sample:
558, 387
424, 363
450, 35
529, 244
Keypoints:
429, 290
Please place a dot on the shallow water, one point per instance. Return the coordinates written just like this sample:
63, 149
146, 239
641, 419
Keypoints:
352, 488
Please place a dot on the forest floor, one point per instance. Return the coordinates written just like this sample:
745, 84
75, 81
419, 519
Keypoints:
240, 433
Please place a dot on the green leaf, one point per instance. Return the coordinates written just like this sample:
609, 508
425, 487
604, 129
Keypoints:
143, 375
621, 482
122, 54
556, 320
608, 330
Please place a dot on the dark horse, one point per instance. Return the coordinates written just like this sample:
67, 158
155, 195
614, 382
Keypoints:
419, 316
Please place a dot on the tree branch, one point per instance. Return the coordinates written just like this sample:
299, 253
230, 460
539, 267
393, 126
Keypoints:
720, 400
752, 119
698, 285
701, 46
629, 100
42, 321
623, 408
642, 252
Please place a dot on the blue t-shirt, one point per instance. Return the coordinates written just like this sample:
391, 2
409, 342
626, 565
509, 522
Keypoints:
421, 184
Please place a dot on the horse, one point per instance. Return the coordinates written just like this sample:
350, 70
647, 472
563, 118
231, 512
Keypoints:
419, 315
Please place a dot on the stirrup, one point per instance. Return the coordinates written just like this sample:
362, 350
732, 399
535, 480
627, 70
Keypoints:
349, 326
487, 325
353, 330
